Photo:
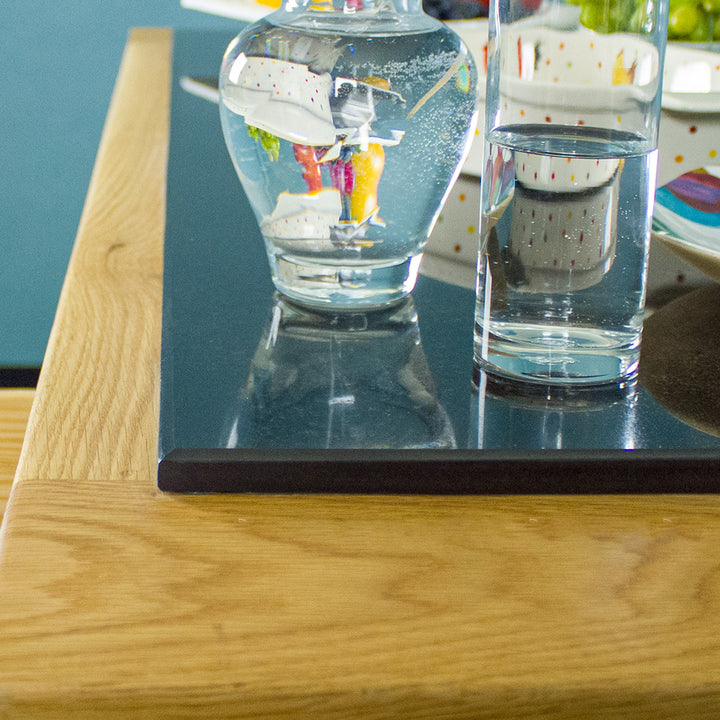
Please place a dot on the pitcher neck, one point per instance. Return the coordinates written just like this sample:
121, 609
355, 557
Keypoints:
348, 8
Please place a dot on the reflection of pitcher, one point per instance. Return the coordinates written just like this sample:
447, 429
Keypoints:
346, 380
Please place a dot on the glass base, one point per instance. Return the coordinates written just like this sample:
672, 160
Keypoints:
487, 380
344, 286
575, 359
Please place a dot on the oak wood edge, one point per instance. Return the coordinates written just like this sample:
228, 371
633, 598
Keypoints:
408, 702
226, 701
134, 141
15, 405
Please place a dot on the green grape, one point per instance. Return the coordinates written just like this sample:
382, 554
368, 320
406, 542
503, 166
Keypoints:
591, 15
689, 20
621, 13
268, 142
701, 31
606, 16
682, 21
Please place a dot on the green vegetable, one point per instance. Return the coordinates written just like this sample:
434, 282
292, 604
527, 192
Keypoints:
688, 20
268, 142
683, 21
608, 16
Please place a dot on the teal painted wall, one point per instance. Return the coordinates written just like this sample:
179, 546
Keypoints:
58, 63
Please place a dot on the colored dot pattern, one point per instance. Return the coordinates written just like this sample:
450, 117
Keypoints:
550, 59
284, 98
287, 80
569, 241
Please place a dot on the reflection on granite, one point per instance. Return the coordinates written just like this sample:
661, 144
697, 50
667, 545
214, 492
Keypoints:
503, 417
259, 396
347, 380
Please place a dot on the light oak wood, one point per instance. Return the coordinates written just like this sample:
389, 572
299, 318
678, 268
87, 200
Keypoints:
15, 404
118, 601
98, 393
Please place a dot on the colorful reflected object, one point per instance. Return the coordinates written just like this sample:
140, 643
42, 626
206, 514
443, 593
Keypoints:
698, 193
687, 210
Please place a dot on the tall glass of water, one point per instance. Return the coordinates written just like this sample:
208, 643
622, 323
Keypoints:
571, 126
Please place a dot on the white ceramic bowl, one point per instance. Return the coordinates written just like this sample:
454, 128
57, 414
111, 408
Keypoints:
690, 122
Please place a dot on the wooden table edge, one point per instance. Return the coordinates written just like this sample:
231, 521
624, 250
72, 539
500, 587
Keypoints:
70, 438
119, 241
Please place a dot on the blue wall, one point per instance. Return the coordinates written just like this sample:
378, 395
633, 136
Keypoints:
58, 63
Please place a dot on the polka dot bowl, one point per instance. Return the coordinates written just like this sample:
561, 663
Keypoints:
689, 138
689, 135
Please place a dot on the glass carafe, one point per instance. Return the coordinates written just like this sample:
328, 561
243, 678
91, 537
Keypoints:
347, 124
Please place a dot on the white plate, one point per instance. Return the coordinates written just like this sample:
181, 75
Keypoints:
247, 10
691, 82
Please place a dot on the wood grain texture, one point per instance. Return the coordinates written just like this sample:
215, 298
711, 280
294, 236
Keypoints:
15, 407
118, 601
365, 607
98, 390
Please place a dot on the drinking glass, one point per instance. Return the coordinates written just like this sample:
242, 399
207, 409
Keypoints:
571, 127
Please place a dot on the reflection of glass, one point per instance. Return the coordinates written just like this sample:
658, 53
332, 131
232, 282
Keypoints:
502, 418
348, 380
